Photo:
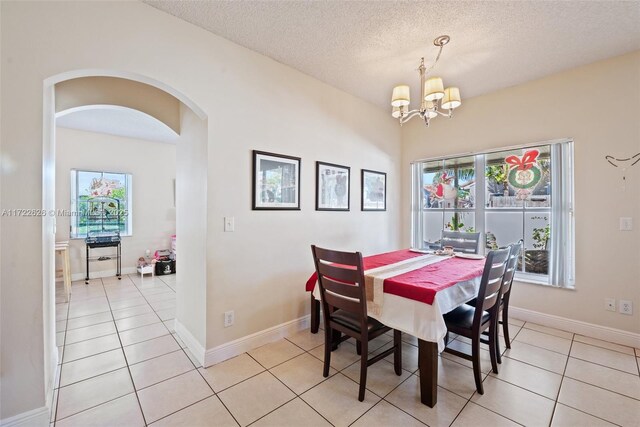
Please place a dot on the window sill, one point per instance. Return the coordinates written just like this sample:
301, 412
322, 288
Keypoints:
534, 281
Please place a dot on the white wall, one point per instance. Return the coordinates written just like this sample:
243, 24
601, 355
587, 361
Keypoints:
153, 168
191, 224
252, 102
597, 105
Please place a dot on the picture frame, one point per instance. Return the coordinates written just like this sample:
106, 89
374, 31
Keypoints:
373, 190
276, 181
333, 191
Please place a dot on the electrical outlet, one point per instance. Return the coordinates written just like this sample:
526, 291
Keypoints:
610, 304
229, 317
626, 307
626, 224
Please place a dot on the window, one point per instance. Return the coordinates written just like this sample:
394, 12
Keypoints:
100, 203
516, 193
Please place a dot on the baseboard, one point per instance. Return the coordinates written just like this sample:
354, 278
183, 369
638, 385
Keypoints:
244, 344
34, 418
102, 273
191, 342
52, 381
616, 336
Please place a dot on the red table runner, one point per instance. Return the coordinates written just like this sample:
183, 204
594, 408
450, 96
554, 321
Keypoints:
421, 284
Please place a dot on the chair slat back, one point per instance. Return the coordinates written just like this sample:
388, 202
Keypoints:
461, 241
341, 281
512, 264
491, 284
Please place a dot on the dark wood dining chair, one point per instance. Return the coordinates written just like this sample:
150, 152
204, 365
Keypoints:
507, 281
470, 322
344, 304
460, 241
503, 308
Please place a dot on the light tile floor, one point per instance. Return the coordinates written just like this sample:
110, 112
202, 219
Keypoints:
123, 365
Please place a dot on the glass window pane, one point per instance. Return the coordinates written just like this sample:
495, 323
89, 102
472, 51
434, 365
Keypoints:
459, 181
95, 214
433, 222
498, 192
502, 228
460, 221
537, 230
540, 192
518, 178
433, 190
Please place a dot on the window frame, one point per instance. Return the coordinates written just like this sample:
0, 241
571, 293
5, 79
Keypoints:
480, 209
75, 212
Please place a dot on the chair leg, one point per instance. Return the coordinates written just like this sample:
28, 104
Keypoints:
397, 353
493, 347
475, 358
315, 315
363, 369
497, 341
505, 327
358, 348
328, 345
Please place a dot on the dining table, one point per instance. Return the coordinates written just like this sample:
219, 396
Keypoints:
410, 291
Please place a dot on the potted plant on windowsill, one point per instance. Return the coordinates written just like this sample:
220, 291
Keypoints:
537, 259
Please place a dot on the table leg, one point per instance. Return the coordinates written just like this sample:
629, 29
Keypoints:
315, 315
428, 364
86, 279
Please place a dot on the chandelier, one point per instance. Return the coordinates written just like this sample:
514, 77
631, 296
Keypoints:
434, 98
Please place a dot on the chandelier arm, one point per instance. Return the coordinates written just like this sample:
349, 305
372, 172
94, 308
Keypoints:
442, 113
410, 115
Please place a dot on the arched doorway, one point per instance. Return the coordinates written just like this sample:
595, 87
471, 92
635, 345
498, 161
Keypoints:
191, 212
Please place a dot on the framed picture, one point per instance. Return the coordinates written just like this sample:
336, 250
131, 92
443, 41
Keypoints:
332, 187
374, 190
276, 181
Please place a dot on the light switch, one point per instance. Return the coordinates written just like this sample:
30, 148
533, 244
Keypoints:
626, 223
229, 223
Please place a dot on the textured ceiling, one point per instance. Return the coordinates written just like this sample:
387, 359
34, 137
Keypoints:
366, 47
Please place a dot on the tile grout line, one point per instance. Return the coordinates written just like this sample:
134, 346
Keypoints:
175, 351
59, 367
129, 345
560, 388
487, 375
64, 345
572, 339
216, 395
604, 366
562, 375
120, 348
296, 395
144, 419
382, 398
556, 402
